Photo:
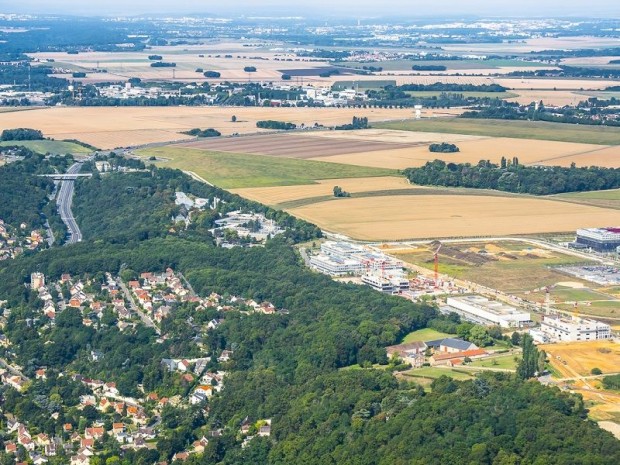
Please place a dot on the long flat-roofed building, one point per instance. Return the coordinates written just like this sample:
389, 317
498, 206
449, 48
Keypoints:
599, 239
485, 311
558, 328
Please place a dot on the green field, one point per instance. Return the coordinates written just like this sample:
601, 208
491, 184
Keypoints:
505, 362
426, 334
612, 194
601, 308
517, 129
434, 372
606, 199
232, 171
49, 146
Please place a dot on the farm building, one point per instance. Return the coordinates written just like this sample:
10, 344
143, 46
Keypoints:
451, 345
599, 239
456, 358
558, 328
412, 352
481, 310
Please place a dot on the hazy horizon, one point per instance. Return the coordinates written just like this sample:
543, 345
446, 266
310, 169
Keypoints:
321, 8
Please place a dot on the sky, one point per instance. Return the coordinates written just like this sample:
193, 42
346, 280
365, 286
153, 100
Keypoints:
322, 8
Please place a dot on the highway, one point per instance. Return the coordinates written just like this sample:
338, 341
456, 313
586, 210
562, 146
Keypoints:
64, 200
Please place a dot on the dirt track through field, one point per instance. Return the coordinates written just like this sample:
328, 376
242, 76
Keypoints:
294, 146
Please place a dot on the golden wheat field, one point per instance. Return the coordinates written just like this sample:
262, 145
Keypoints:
581, 357
472, 150
608, 157
401, 217
111, 127
277, 195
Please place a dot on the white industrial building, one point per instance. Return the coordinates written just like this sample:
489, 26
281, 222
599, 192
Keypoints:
481, 310
558, 328
335, 266
391, 284
340, 258
599, 239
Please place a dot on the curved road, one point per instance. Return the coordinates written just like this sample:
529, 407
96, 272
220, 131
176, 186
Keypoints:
64, 200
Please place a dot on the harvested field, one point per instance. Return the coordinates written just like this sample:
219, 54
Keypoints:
538, 130
474, 149
109, 127
553, 84
291, 145
608, 157
391, 136
400, 217
581, 357
227, 58
277, 195
549, 97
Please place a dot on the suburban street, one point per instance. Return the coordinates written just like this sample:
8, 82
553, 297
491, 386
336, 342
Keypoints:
134, 307
64, 200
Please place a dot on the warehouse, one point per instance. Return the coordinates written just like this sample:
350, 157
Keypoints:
481, 310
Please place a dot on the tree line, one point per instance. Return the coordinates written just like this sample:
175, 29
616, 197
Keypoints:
513, 177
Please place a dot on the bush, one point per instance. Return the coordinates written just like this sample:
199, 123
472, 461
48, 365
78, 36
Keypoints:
203, 132
270, 124
596, 371
443, 148
429, 68
611, 382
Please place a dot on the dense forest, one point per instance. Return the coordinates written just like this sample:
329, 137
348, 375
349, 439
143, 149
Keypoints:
511, 177
24, 195
140, 205
291, 367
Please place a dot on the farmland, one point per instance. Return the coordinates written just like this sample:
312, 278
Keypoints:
108, 128
514, 129
400, 217
472, 150
292, 145
275, 196
232, 171
581, 357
